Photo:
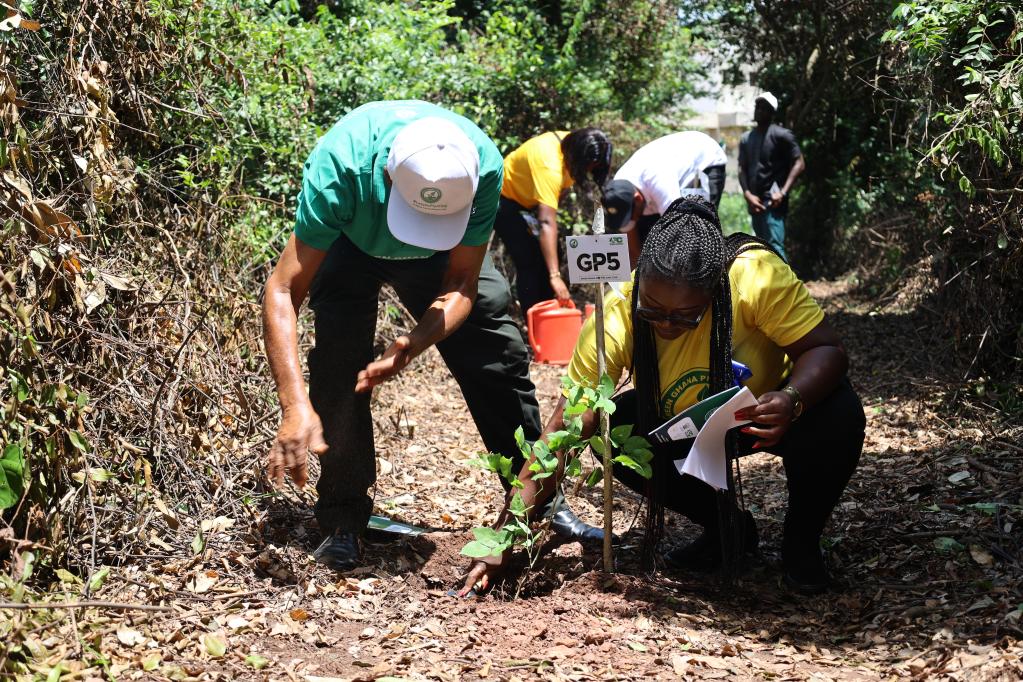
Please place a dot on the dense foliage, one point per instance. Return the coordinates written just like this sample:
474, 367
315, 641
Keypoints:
909, 117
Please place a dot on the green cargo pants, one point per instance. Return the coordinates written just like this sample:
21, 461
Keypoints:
486, 355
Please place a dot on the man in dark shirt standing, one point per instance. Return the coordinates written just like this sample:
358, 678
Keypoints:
769, 163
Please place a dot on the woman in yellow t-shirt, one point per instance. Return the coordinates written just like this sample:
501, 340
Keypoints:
701, 300
536, 175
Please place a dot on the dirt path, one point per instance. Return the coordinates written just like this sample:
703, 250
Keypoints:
926, 542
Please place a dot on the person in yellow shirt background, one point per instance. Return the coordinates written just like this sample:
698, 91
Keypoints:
699, 300
536, 175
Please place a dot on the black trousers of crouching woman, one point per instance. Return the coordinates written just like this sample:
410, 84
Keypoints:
532, 281
486, 355
820, 451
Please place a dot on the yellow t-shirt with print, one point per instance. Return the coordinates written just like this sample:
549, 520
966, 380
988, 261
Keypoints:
535, 173
771, 308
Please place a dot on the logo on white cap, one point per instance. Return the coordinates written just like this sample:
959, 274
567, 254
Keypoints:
434, 168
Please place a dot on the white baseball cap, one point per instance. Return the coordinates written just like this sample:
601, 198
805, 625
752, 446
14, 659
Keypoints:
771, 100
434, 169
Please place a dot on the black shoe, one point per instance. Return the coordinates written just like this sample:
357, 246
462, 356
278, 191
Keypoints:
804, 567
339, 551
567, 525
704, 553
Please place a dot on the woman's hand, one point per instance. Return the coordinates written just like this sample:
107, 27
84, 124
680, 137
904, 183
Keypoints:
560, 290
771, 418
482, 572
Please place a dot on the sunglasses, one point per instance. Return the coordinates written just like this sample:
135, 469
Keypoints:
673, 319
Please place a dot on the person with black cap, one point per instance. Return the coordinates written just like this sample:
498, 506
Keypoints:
401, 193
536, 176
769, 163
657, 174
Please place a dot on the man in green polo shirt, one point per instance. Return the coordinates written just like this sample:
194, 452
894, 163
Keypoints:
401, 193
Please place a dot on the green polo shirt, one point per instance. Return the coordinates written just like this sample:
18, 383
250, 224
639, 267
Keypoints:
343, 187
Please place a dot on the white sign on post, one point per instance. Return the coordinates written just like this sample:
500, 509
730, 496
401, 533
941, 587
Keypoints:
595, 258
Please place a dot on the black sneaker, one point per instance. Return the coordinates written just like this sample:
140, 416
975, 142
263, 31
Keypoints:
805, 571
703, 554
567, 525
339, 551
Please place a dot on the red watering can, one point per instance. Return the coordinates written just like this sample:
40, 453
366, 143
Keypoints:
553, 330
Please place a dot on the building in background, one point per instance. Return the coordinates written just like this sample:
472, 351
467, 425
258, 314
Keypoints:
724, 115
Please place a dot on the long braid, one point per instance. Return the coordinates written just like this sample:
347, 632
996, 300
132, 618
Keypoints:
587, 154
686, 246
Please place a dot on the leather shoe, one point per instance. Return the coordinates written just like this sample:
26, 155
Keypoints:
804, 567
704, 553
567, 525
339, 551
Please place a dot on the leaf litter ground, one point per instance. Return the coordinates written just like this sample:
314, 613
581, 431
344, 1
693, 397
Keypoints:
925, 543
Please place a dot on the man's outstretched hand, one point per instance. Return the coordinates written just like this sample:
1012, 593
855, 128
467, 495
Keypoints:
300, 432
394, 359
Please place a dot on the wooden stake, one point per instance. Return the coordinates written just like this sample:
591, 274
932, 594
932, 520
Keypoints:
605, 418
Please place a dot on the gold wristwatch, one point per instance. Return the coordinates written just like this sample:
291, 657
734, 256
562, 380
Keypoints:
797, 401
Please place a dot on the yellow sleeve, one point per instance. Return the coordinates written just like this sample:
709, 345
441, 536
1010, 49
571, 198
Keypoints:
617, 343
545, 165
783, 309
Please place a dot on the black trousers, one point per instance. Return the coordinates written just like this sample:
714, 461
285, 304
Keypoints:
532, 281
820, 451
486, 355
716, 179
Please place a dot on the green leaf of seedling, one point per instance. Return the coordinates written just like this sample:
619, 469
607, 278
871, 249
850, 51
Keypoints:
597, 443
490, 535
575, 410
606, 405
547, 460
495, 462
606, 388
256, 661
477, 549
542, 475
575, 426
576, 396
574, 467
634, 443
516, 483
198, 543
988, 508
642, 469
150, 662
620, 434
520, 440
595, 477
517, 506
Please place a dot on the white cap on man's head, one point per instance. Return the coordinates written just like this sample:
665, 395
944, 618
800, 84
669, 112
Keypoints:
767, 97
434, 169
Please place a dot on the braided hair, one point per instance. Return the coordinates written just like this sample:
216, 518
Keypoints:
584, 147
686, 247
